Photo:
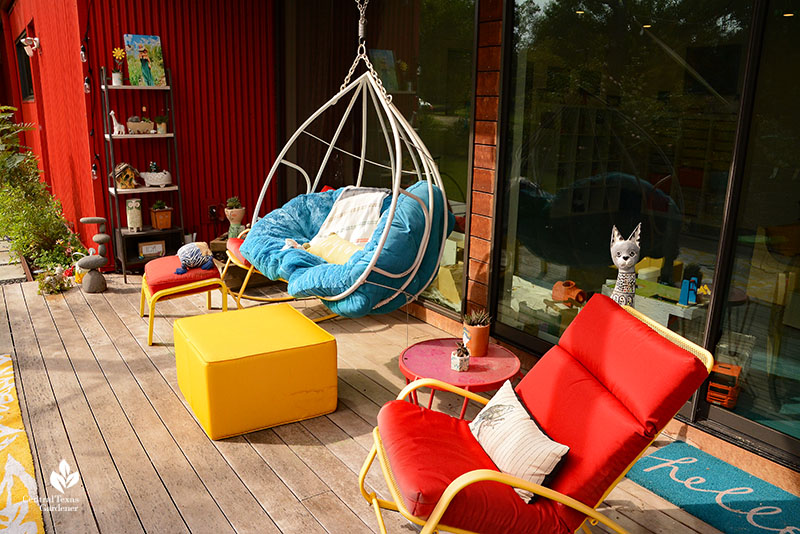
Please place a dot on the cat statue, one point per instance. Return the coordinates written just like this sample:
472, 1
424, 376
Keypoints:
625, 254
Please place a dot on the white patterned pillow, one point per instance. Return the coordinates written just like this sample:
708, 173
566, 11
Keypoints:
514, 441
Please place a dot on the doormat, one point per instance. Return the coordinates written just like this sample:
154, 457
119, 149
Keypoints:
19, 508
716, 492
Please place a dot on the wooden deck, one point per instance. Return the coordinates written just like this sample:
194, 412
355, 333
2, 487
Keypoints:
94, 394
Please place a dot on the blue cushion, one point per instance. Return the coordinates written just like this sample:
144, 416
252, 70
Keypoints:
309, 275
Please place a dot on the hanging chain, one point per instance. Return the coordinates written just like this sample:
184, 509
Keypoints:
361, 52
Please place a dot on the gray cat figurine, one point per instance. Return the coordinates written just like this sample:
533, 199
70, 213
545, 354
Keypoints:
625, 254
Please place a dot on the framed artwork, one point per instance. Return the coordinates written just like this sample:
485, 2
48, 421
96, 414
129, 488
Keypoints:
152, 249
383, 61
145, 59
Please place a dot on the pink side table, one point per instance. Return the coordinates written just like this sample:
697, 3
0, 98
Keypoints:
431, 359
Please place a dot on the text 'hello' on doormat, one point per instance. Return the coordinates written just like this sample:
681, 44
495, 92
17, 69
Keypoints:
716, 492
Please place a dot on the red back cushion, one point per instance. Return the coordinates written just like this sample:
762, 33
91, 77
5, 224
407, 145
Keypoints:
605, 391
649, 374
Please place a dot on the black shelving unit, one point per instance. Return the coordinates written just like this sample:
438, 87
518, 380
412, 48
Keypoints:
126, 242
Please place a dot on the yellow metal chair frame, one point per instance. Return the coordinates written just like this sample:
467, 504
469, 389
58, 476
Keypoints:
172, 292
232, 259
431, 524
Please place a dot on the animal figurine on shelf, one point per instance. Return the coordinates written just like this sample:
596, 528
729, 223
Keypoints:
625, 254
194, 255
119, 129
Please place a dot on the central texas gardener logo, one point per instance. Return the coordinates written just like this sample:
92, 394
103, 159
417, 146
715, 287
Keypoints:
63, 479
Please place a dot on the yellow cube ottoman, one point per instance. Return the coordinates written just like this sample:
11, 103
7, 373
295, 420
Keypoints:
255, 368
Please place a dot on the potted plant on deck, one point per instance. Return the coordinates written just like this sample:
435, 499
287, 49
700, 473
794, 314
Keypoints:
459, 358
476, 332
160, 215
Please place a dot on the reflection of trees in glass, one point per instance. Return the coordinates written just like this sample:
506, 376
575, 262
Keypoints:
605, 57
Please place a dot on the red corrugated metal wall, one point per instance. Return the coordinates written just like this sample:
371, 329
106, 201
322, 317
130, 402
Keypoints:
223, 79
59, 109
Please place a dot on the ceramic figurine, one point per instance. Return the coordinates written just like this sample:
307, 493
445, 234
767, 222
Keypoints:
625, 254
119, 129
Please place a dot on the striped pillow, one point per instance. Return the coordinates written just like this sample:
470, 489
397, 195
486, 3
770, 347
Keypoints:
514, 441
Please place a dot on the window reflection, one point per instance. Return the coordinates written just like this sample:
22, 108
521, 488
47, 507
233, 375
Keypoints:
621, 113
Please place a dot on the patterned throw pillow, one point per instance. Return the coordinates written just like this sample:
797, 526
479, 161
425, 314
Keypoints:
514, 441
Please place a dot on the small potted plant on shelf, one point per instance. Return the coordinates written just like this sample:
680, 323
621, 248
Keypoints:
459, 358
476, 332
140, 125
160, 215
156, 176
234, 210
116, 72
161, 124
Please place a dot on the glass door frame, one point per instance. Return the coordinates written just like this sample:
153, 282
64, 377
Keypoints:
697, 412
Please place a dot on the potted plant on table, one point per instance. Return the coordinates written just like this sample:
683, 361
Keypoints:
116, 72
476, 332
459, 358
160, 215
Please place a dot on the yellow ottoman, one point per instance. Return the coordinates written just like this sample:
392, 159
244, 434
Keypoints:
255, 368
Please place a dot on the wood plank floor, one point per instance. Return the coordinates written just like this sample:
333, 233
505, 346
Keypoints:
94, 394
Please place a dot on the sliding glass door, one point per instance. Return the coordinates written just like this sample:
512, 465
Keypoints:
616, 113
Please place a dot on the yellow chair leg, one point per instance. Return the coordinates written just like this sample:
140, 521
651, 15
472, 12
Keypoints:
208, 299
224, 292
141, 302
150, 322
244, 286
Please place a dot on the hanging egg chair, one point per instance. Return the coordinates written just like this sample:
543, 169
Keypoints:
401, 256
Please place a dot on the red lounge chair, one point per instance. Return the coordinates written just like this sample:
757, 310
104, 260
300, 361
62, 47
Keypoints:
606, 390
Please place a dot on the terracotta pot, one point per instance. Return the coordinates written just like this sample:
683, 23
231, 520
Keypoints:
565, 290
459, 363
235, 215
476, 338
161, 219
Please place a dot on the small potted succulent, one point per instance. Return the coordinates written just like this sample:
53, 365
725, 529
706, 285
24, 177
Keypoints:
160, 215
476, 332
234, 210
459, 358
161, 124
116, 72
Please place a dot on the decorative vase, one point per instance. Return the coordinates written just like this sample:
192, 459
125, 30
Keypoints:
161, 127
235, 230
476, 338
235, 215
459, 363
566, 290
116, 78
161, 219
160, 178
133, 212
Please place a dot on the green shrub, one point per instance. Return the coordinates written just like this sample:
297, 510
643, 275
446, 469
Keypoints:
29, 214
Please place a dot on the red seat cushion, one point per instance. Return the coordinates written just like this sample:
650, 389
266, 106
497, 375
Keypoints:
427, 450
160, 274
233, 244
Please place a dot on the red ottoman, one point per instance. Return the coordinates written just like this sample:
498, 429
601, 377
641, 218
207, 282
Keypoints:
160, 282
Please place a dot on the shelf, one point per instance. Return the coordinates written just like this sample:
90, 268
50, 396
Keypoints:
139, 136
138, 190
136, 87
148, 231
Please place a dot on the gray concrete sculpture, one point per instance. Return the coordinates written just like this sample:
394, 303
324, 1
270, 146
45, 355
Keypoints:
94, 281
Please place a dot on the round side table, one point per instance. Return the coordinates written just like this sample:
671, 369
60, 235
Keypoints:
431, 359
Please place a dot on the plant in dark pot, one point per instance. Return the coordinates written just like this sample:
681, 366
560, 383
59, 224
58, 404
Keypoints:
476, 332
160, 215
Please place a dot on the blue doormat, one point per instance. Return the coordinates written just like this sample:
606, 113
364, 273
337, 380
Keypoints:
717, 492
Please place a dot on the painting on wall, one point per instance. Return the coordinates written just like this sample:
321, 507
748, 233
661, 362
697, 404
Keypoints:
145, 59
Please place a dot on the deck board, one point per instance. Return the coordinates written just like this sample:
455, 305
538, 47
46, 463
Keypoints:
94, 393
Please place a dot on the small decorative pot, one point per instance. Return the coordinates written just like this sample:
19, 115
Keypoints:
161, 219
140, 127
160, 178
161, 127
476, 338
566, 290
235, 215
459, 363
116, 78
133, 212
